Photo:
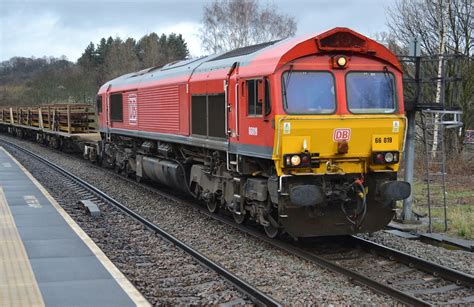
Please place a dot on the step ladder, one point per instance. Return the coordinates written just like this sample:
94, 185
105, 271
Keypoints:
232, 162
434, 124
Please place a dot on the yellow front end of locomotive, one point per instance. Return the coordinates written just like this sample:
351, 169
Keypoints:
338, 144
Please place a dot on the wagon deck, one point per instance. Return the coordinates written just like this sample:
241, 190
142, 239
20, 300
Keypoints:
63, 119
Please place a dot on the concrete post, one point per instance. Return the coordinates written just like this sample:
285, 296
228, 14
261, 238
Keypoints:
407, 213
409, 164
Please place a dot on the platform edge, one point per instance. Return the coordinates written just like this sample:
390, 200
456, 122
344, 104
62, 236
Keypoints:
137, 298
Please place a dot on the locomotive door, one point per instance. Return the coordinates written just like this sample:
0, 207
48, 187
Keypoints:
232, 117
252, 110
232, 100
107, 113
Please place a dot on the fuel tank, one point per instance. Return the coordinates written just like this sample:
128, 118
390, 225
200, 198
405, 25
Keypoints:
163, 171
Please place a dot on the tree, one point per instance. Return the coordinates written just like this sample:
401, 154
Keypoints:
121, 58
34, 81
176, 48
444, 26
76, 85
390, 41
150, 51
89, 57
102, 49
431, 20
231, 24
154, 51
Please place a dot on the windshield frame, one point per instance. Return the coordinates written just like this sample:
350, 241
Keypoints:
284, 91
395, 92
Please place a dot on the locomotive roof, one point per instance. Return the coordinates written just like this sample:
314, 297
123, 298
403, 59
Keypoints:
261, 59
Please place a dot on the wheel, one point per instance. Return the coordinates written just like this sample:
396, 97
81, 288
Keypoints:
239, 218
212, 206
271, 231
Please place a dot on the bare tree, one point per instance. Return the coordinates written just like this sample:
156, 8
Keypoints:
231, 24
443, 26
431, 20
388, 40
441, 8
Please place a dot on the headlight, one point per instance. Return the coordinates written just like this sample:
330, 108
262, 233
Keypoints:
386, 157
301, 160
295, 160
389, 157
341, 61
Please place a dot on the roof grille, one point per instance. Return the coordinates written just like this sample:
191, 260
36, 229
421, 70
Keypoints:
342, 41
244, 51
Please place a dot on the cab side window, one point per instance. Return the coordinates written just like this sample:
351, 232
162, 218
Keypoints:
254, 104
116, 108
268, 105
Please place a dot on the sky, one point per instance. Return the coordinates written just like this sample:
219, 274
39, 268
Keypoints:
65, 27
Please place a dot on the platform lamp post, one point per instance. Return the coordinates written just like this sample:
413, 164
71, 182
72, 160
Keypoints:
407, 211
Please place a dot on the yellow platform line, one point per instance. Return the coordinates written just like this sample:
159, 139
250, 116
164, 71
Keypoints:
135, 295
18, 286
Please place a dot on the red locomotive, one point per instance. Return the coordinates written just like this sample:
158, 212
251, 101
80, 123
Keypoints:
303, 135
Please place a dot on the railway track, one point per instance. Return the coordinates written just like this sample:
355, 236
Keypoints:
406, 278
89, 192
427, 283
424, 278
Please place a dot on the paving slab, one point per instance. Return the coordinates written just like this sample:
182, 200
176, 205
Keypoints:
46, 259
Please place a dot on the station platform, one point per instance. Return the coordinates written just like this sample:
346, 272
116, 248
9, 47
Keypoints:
46, 259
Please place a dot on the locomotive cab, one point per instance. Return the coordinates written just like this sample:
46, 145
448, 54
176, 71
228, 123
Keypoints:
339, 136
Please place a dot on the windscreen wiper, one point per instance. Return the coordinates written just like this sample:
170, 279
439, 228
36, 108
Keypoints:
286, 82
388, 76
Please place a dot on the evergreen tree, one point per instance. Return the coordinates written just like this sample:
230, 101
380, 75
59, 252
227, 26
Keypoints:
121, 58
149, 51
176, 48
111, 57
88, 58
101, 51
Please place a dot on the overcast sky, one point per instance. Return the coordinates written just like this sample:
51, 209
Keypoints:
65, 27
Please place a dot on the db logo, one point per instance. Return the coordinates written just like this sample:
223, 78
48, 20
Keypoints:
341, 134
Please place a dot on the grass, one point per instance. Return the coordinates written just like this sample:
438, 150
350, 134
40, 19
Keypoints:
460, 212
460, 195
460, 219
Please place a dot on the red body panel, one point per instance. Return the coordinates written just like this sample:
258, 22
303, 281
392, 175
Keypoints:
159, 109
